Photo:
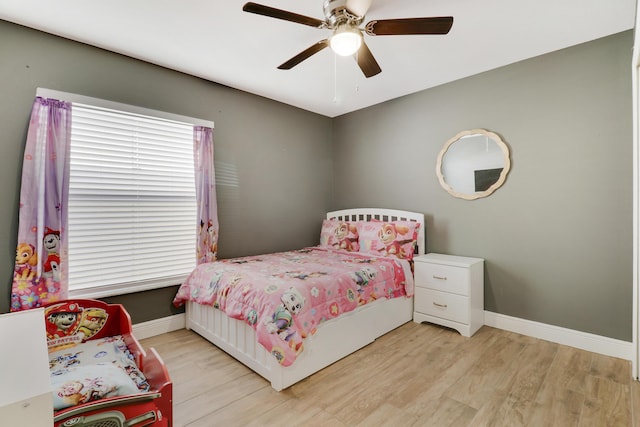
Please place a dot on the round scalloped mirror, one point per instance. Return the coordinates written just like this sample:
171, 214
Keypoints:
473, 164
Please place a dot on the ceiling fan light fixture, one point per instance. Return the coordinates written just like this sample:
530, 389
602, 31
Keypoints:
344, 17
346, 40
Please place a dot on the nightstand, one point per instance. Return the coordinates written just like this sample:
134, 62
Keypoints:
449, 291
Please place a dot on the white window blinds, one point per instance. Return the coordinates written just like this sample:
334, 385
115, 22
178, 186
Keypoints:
132, 204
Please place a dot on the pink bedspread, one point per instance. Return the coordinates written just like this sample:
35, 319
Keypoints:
285, 296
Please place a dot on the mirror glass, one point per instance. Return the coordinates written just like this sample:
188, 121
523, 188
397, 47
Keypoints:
473, 164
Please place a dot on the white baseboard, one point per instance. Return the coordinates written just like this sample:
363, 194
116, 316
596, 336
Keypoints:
582, 340
159, 326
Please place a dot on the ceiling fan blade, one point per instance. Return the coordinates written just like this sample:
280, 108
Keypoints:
272, 12
367, 62
390, 27
304, 55
359, 7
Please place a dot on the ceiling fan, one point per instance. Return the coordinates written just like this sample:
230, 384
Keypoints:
343, 18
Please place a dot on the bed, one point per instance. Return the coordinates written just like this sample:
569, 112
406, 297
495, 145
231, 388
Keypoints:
100, 375
320, 344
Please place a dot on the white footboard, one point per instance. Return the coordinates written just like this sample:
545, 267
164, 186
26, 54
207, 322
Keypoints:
334, 339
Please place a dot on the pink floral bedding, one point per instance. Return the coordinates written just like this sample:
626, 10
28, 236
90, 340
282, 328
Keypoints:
285, 296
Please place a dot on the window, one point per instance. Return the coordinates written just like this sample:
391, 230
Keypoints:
132, 214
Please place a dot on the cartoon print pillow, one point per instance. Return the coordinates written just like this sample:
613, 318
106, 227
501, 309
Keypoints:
339, 235
81, 384
394, 239
103, 351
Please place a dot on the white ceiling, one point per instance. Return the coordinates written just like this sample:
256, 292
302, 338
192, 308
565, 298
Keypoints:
217, 41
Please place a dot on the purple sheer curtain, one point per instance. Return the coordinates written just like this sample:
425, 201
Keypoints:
207, 244
40, 269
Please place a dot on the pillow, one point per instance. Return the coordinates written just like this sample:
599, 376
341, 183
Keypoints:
339, 235
393, 239
103, 351
81, 384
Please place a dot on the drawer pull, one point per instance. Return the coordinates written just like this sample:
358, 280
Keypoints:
440, 305
440, 277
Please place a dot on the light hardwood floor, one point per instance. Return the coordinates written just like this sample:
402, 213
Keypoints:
416, 375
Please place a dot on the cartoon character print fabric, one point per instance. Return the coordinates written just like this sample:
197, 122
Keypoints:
84, 384
207, 238
286, 296
27, 257
339, 235
281, 323
39, 274
93, 370
392, 239
207, 246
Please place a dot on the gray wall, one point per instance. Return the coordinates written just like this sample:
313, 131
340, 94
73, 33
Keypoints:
557, 237
253, 138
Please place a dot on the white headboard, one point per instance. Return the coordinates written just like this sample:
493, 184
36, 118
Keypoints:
366, 214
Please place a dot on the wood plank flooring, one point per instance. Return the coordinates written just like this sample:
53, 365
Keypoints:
416, 375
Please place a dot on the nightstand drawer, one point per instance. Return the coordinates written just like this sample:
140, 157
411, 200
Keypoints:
442, 304
444, 278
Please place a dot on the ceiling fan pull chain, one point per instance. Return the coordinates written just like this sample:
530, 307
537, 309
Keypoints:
335, 78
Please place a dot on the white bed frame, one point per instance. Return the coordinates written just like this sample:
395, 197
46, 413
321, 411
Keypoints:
333, 340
